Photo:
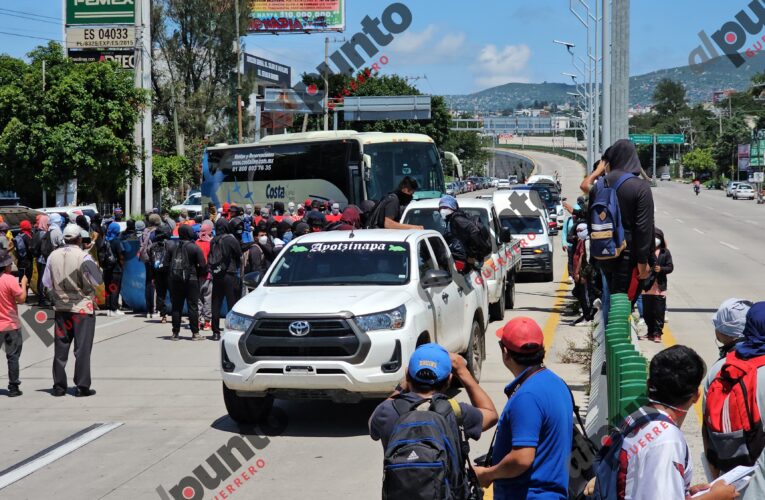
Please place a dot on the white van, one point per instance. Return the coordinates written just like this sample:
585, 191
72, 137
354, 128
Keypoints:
526, 217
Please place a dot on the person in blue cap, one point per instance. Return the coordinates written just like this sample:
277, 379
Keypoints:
431, 370
463, 235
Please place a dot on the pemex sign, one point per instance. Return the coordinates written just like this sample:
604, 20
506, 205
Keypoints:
80, 12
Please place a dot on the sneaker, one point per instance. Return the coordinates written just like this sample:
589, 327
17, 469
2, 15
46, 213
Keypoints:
84, 392
150, 316
641, 322
196, 336
13, 391
118, 313
163, 319
58, 392
657, 340
109, 314
176, 337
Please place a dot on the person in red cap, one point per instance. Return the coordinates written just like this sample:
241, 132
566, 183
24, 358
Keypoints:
226, 209
530, 458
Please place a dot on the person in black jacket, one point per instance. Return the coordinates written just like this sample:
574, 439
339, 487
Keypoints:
623, 274
460, 227
225, 282
388, 213
655, 290
185, 287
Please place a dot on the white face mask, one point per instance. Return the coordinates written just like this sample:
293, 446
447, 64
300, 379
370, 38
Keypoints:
263, 240
445, 212
658, 242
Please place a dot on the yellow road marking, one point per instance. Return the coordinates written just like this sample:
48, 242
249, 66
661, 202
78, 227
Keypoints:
669, 340
549, 334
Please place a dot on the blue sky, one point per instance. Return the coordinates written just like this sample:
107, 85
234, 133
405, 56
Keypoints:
461, 47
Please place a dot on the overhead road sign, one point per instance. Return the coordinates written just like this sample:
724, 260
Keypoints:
296, 16
79, 12
407, 107
101, 37
670, 139
641, 138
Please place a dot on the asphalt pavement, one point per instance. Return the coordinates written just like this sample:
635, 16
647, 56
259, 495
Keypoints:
164, 402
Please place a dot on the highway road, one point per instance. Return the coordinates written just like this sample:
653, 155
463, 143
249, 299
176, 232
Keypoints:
164, 402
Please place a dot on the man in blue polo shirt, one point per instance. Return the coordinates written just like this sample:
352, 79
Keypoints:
531, 453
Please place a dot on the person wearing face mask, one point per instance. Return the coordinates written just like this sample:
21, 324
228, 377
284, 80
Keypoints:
291, 209
284, 232
224, 262
582, 273
463, 232
388, 212
655, 288
334, 215
262, 252
278, 212
316, 221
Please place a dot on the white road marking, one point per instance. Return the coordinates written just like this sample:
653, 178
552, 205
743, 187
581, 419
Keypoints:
59, 450
680, 221
729, 246
698, 231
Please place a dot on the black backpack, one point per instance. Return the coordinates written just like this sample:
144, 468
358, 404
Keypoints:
46, 245
180, 266
106, 257
218, 259
484, 250
425, 458
377, 219
158, 255
20, 245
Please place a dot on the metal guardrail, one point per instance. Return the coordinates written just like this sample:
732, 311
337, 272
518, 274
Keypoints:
618, 372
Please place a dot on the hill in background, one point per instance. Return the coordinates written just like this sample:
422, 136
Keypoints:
717, 74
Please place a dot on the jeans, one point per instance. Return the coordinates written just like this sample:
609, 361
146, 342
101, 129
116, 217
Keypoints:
654, 308
205, 300
226, 286
12, 341
188, 292
81, 329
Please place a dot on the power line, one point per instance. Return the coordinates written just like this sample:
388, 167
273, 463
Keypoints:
28, 18
30, 36
31, 14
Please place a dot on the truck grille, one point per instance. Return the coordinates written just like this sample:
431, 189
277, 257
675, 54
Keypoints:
327, 338
527, 251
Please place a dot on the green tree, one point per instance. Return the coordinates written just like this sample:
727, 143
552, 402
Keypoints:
699, 160
470, 149
735, 131
669, 98
80, 127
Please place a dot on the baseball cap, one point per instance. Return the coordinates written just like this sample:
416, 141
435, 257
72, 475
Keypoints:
72, 232
5, 258
433, 358
522, 335
730, 318
448, 202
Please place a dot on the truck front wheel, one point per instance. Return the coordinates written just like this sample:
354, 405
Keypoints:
497, 309
475, 352
510, 294
245, 410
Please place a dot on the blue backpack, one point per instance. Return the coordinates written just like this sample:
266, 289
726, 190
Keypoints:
606, 230
608, 463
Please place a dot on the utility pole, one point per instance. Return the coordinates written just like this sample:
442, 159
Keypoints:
620, 69
148, 121
45, 193
606, 32
326, 84
238, 49
136, 183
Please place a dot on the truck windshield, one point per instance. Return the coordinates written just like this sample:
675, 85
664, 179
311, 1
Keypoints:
362, 263
522, 225
429, 218
392, 161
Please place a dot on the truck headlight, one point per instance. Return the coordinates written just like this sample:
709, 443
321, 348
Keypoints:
388, 320
238, 322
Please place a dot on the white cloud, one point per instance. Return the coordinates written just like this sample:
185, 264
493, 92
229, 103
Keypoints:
498, 66
425, 47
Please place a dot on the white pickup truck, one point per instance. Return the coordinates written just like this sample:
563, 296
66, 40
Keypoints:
338, 315
500, 268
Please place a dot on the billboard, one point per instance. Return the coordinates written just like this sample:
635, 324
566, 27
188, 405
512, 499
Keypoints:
268, 72
125, 59
100, 12
296, 16
287, 101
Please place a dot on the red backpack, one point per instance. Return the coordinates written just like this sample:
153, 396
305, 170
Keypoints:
732, 420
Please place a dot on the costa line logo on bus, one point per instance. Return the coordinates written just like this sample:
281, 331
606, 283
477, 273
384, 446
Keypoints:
731, 38
395, 20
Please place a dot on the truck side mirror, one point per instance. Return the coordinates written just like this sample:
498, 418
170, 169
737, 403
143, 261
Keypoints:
366, 161
436, 277
252, 280
505, 236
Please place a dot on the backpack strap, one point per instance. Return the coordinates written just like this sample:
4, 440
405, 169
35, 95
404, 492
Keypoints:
624, 178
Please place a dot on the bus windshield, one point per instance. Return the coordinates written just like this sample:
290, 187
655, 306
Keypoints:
260, 174
392, 161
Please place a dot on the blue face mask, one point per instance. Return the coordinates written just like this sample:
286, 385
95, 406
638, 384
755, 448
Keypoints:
287, 237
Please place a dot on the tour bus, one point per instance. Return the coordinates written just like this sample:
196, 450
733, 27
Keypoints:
346, 167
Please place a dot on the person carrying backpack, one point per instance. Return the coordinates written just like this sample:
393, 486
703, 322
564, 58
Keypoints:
530, 455
445, 426
470, 233
387, 213
648, 457
205, 287
22, 246
42, 247
112, 265
224, 263
655, 288
735, 402
187, 265
621, 219
159, 268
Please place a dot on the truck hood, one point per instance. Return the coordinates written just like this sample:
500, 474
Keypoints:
359, 300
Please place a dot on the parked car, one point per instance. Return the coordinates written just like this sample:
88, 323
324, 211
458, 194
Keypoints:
451, 189
503, 184
732, 185
69, 214
513, 179
743, 191
665, 177
470, 186
192, 204
382, 294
